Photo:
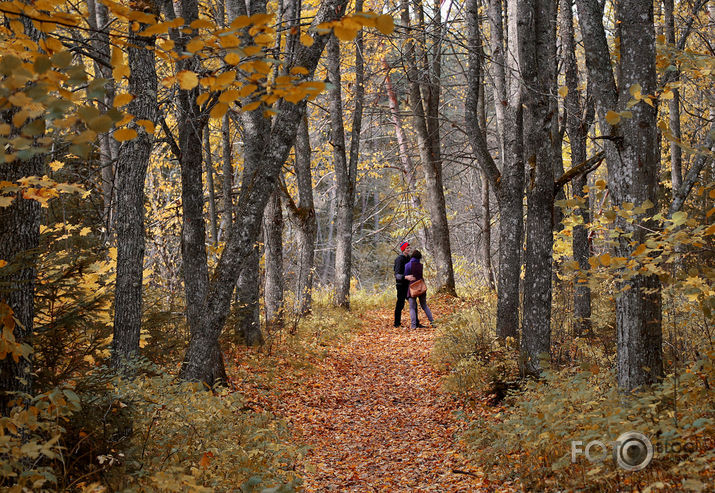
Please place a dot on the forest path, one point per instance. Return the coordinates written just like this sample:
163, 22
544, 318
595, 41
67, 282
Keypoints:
376, 418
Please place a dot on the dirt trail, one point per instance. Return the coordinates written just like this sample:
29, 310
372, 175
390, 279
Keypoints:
376, 418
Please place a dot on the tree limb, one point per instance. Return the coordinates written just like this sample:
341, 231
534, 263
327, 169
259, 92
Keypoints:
692, 176
582, 168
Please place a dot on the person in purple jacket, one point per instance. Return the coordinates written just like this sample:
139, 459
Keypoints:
414, 268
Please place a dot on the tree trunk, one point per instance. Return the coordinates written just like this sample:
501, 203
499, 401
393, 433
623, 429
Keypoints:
305, 215
510, 193
19, 239
408, 168
577, 129
132, 165
676, 159
475, 120
537, 56
213, 214
632, 158
248, 314
259, 179
344, 184
99, 19
424, 101
227, 177
273, 233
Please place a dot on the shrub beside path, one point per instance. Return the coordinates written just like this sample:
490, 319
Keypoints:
375, 417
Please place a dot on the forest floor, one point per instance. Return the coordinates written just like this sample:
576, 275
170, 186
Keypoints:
373, 413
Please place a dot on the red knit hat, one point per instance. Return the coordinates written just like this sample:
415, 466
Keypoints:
403, 245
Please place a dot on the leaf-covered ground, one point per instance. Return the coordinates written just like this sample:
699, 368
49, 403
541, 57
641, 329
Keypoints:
374, 415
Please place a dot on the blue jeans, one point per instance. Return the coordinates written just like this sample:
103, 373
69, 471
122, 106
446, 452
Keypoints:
413, 309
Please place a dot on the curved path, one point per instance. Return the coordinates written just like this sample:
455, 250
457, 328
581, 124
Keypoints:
376, 418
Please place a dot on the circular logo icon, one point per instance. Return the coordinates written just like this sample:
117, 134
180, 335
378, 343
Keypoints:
633, 451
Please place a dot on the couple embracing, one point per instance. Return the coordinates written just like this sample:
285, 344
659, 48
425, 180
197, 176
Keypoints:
408, 269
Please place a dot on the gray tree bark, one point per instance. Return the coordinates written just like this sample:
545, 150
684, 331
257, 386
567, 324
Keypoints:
537, 56
273, 233
508, 183
303, 215
676, 157
19, 239
258, 182
132, 164
632, 158
424, 102
577, 129
193, 234
344, 182
475, 120
248, 313
227, 177
213, 213
408, 167
99, 19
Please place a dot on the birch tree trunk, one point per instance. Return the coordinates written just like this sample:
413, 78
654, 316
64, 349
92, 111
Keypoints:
132, 165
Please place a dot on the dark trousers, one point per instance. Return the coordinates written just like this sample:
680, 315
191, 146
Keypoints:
401, 297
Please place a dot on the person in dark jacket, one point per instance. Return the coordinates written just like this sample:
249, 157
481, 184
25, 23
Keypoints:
413, 269
402, 283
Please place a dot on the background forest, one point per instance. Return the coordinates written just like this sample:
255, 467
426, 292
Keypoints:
198, 193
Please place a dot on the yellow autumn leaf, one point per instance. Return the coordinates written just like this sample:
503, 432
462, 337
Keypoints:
252, 50
122, 99
252, 106
299, 70
147, 125
5, 201
229, 96
605, 259
56, 165
194, 45
219, 110
306, 40
344, 33
124, 134
612, 117
247, 89
636, 91
187, 79
85, 231
640, 250
3, 263
385, 24
563, 91
232, 58
226, 78
202, 98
